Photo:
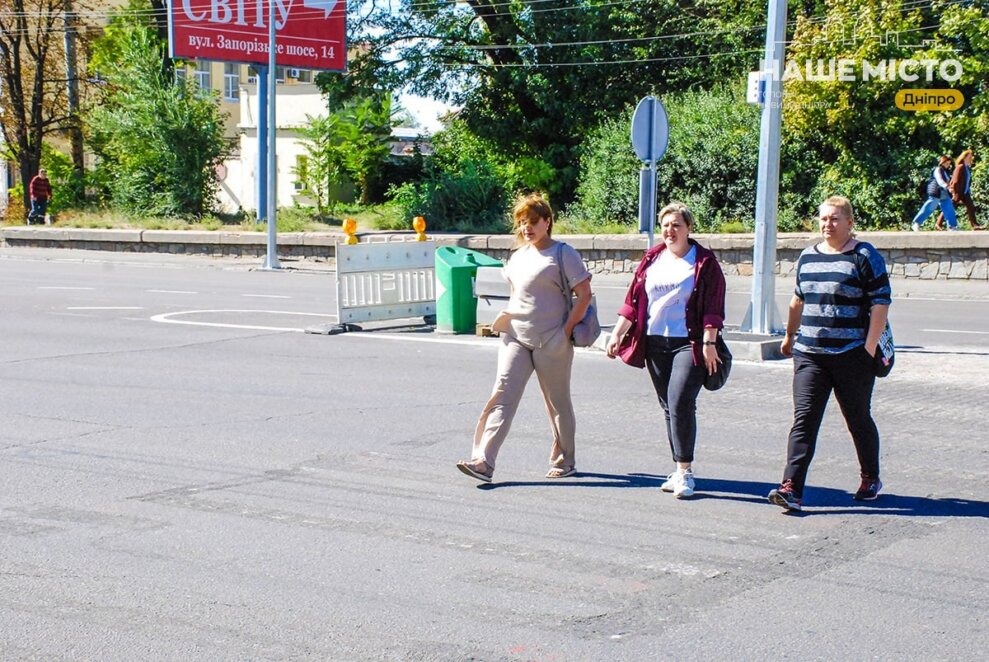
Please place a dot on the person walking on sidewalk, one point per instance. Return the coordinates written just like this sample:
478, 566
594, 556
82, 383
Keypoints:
937, 196
669, 323
40, 190
837, 313
536, 332
960, 188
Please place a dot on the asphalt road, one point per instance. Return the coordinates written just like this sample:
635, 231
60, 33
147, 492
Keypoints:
227, 488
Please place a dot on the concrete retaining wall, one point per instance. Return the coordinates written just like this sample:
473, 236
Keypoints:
923, 255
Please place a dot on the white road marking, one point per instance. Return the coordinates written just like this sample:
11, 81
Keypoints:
166, 318
173, 291
978, 333
938, 299
267, 296
59, 287
104, 308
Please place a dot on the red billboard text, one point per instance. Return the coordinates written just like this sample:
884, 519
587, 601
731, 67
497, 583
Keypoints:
310, 34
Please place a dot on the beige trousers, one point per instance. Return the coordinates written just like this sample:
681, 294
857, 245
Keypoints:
552, 364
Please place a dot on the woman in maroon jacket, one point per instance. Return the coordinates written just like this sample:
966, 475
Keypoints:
669, 324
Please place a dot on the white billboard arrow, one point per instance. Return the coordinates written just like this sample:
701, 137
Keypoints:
326, 5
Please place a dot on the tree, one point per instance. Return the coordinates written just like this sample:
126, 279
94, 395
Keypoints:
848, 136
535, 76
32, 67
158, 141
351, 142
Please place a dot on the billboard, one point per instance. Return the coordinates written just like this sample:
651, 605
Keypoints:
310, 34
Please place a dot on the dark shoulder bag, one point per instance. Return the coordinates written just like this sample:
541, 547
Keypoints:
714, 381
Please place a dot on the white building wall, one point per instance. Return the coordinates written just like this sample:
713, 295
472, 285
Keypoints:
293, 104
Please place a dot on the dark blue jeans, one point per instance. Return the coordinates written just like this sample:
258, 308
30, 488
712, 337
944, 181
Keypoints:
38, 209
815, 376
677, 382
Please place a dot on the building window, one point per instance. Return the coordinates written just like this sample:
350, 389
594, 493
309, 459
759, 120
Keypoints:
180, 74
203, 78
252, 75
279, 74
231, 81
301, 172
301, 75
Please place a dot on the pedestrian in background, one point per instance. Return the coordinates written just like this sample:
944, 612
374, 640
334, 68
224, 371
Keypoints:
937, 196
40, 190
837, 313
960, 188
669, 323
536, 329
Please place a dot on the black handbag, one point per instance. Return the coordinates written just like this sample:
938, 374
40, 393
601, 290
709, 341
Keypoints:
717, 379
882, 362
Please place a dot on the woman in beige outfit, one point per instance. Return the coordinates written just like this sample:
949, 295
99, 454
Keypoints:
536, 332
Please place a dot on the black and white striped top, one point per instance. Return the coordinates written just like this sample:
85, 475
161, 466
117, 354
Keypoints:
838, 292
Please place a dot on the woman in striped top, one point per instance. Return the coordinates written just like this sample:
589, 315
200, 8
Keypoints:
837, 313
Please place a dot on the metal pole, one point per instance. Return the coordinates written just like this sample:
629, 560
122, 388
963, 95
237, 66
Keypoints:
762, 316
654, 185
72, 90
262, 120
271, 261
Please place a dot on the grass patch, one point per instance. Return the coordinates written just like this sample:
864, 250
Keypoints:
572, 225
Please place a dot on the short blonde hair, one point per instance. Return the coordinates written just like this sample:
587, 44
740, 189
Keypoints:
964, 155
682, 210
533, 205
839, 202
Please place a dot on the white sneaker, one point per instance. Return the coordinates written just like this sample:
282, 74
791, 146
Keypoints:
670, 482
953, 229
915, 227
683, 484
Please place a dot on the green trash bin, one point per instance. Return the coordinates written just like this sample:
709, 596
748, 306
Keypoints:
456, 302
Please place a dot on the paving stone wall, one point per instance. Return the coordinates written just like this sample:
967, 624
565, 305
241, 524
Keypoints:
925, 255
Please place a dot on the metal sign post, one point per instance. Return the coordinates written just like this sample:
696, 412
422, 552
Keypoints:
650, 137
762, 316
271, 255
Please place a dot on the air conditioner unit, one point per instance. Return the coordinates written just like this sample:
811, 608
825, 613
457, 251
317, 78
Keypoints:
293, 73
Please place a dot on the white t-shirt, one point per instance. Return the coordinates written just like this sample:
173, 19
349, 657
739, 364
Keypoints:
669, 282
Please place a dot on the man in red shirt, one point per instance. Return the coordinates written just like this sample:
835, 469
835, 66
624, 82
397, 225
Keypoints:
40, 190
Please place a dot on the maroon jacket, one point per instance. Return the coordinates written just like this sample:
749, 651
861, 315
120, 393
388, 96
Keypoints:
40, 189
705, 307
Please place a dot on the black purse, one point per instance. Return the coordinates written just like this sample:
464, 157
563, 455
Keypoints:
882, 362
717, 379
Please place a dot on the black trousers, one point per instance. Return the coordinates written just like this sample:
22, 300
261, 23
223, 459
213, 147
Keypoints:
815, 376
677, 382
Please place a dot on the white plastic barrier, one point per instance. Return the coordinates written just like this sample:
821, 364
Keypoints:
492, 292
385, 281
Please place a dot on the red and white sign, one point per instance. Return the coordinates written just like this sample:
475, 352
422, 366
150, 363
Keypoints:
310, 34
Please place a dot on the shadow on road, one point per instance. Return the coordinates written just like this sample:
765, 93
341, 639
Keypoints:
817, 500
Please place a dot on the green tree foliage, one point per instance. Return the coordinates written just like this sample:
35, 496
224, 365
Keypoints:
464, 187
710, 163
33, 103
352, 143
848, 137
535, 76
158, 141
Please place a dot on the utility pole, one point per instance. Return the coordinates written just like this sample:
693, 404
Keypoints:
761, 316
72, 83
271, 258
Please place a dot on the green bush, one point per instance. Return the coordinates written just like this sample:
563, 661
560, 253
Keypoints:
471, 199
710, 163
